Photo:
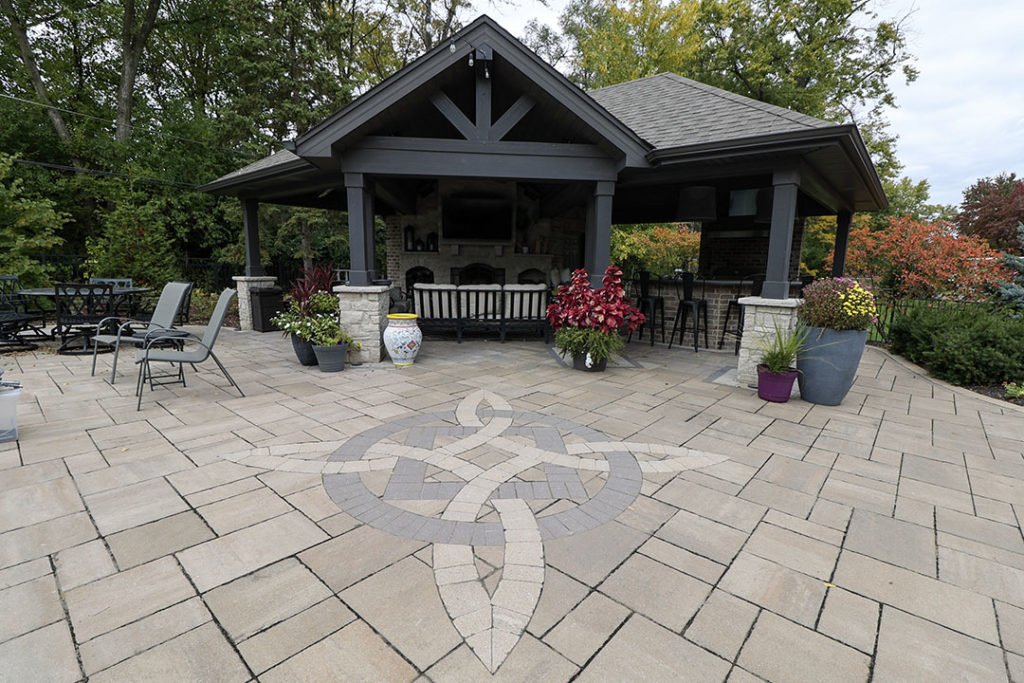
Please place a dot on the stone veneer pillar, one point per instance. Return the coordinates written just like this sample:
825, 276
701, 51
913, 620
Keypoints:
245, 284
760, 317
364, 315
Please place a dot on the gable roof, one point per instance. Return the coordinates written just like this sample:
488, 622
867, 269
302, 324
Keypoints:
668, 110
317, 141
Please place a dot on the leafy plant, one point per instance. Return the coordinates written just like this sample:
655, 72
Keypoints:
1012, 291
838, 304
658, 249
589, 321
780, 349
301, 319
325, 330
1013, 390
972, 346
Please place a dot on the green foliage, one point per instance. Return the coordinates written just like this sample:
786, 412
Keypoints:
134, 241
576, 340
1012, 292
658, 249
325, 330
971, 346
28, 226
1013, 390
780, 349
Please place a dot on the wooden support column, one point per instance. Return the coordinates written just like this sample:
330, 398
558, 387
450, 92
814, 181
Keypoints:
360, 229
251, 229
598, 236
780, 241
842, 240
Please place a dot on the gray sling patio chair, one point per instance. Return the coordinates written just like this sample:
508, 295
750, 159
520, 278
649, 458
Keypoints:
153, 354
160, 323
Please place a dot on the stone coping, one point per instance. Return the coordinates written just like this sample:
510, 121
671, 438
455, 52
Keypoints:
775, 303
361, 289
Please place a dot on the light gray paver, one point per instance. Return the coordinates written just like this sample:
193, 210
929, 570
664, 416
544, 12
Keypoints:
850, 618
34, 602
227, 557
584, 630
796, 551
124, 508
780, 589
912, 649
147, 542
722, 624
779, 650
354, 653
82, 564
45, 655
644, 651
267, 648
669, 598
38, 502
892, 540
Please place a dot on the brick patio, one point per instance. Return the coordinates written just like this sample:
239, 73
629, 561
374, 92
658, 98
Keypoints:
491, 510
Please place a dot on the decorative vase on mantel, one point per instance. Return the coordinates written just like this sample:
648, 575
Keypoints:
303, 350
828, 364
331, 358
403, 338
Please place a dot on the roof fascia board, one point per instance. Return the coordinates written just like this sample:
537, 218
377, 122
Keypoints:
318, 141
223, 185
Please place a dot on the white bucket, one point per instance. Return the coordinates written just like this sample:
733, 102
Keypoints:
9, 414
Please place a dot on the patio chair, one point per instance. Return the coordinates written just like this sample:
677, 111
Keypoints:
154, 354
688, 303
16, 319
160, 322
120, 305
80, 309
749, 286
651, 306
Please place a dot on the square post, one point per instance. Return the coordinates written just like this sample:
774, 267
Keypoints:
780, 241
842, 239
251, 231
360, 229
598, 234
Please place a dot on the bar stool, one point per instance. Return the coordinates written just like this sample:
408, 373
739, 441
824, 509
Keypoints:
755, 282
650, 306
688, 304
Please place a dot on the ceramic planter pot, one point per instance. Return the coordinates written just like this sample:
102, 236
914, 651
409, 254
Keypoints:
828, 364
303, 351
331, 358
583, 362
775, 386
403, 338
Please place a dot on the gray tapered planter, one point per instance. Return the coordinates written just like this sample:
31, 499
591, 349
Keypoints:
828, 363
331, 358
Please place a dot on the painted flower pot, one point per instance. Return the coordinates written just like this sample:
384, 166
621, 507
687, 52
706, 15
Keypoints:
403, 338
303, 350
775, 386
584, 362
828, 364
331, 358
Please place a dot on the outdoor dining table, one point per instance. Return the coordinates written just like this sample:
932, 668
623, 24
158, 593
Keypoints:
120, 295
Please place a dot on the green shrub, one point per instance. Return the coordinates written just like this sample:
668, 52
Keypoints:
979, 345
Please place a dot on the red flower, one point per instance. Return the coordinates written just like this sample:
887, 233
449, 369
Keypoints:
605, 310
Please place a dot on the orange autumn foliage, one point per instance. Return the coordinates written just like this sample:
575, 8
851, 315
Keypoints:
925, 260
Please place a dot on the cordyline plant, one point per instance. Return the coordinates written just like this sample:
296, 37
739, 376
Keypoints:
589, 321
309, 299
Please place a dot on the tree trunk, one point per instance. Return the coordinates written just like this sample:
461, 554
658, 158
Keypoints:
133, 42
307, 247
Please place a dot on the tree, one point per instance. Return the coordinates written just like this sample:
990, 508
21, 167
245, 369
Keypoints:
1012, 291
28, 226
991, 209
658, 249
924, 260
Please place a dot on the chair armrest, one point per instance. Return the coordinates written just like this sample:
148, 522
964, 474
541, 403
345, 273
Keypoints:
167, 332
183, 336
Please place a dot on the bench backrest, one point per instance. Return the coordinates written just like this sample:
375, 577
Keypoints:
526, 302
435, 302
480, 302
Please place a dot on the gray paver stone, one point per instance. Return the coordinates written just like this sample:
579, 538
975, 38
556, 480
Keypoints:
808, 656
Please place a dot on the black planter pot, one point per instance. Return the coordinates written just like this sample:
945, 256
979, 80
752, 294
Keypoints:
331, 358
579, 361
303, 351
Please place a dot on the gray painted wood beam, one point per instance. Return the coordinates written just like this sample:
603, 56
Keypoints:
511, 117
359, 233
842, 238
483, 105
780, 242
597, 239
451, 111
251, 227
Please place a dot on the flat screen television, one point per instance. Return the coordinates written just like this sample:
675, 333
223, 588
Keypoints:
478, 217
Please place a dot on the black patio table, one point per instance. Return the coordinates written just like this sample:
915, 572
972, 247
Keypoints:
121, 295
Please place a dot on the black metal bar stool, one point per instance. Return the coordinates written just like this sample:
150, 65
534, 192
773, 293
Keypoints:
650, 306
749, 286
688, 304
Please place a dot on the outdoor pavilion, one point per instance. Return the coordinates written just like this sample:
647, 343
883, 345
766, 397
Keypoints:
483, 117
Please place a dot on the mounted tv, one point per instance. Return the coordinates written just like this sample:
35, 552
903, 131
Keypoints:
478, 217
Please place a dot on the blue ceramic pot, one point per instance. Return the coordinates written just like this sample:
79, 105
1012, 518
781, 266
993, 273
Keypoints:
828, 364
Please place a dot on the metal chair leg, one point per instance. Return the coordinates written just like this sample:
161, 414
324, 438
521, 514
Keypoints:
225, 371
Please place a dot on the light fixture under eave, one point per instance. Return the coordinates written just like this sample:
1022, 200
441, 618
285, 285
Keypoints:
451, 47
470, 59
325, 193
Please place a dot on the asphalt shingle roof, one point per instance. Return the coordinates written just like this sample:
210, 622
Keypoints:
668, 110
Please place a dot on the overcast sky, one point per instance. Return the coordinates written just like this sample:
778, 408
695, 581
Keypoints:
962, 119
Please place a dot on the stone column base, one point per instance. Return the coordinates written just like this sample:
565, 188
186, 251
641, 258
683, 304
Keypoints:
760, 318
364, 315
245, 284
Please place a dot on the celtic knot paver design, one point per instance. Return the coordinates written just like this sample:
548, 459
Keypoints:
483, 452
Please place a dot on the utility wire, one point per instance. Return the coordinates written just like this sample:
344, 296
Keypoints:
110, 174
108, 122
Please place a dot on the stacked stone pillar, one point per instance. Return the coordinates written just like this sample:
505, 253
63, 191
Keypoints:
364, 315
245, 285
760, 318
